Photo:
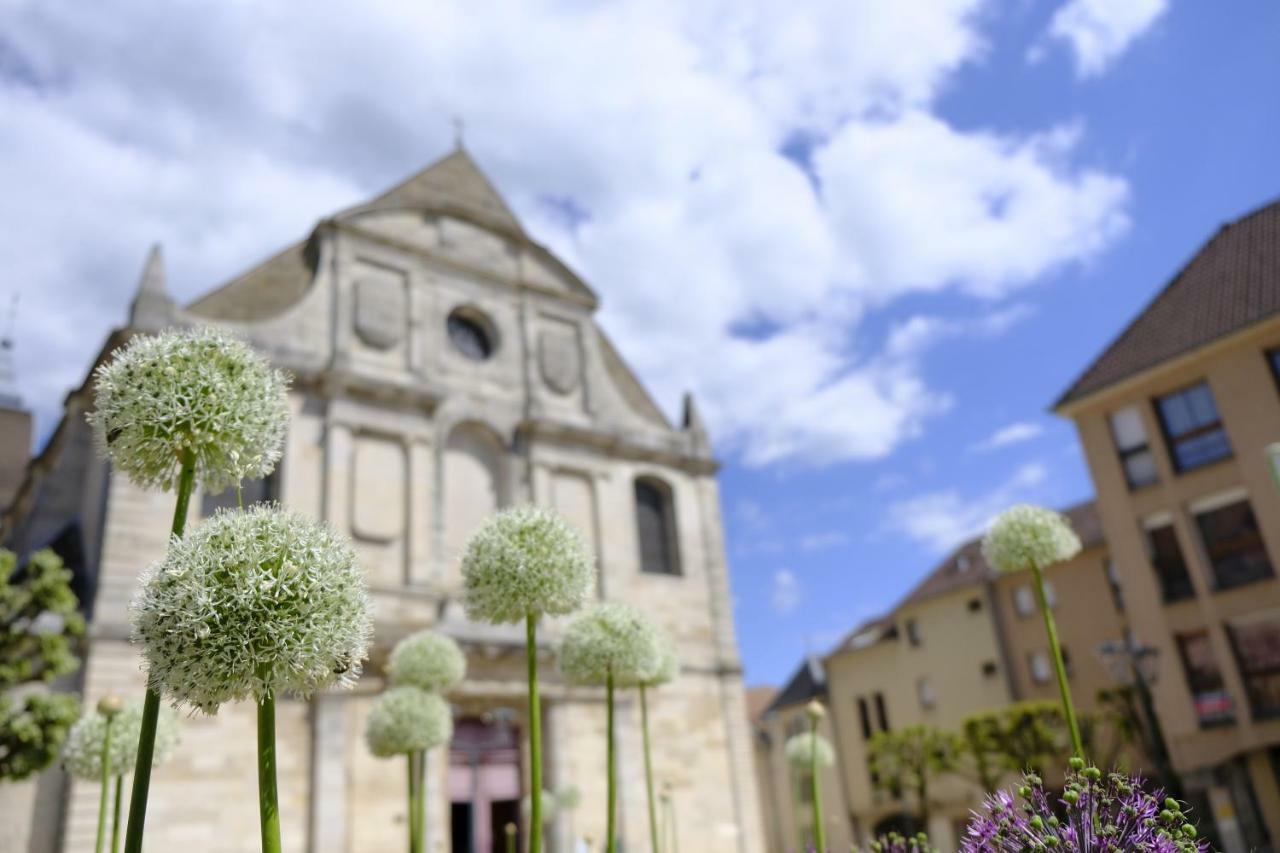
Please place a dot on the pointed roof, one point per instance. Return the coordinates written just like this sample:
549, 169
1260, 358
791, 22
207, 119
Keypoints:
453, 184
151, 307
1231, 283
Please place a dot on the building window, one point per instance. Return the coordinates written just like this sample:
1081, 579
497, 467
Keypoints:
251, 492
1257, 648
1024, 600
1066, 662
656, 527
1233, 545
1130, 438
1192, 427
882, 715
797, 725
864, 717
975, 605
1273, 359
1212, 702
924, 690
1038, 664
913, 632
989, 669
469, 334
1166, 559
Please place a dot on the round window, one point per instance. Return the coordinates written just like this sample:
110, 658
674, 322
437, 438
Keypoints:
469, 336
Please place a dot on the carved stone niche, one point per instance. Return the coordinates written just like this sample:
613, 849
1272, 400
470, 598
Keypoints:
381, 308
377, 489
560, 356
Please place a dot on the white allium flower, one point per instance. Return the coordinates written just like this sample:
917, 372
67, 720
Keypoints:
253, 601
663, 666
800, 748
549, 806
610, 638
1026, 536
203, 391
568, 798
82, 753
428, 661
406, 719
525, 560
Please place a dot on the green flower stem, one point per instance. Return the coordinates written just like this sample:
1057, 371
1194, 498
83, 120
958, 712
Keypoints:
611, 769
268, 799
105, 786
648, 771
535, 735
151, 705
511, 837
115, 819
815, 791
1050, 628
669, 817
415, 831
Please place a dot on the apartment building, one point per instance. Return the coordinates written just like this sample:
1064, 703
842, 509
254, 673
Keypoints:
1175, 417
963, 641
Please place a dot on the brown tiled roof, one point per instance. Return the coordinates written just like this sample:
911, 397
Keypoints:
965, 566
1231, 283
758, 699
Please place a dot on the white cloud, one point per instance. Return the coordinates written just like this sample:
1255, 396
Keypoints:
662, 121
1099, 31
823, 541
786, 592
945, 519
1014, 433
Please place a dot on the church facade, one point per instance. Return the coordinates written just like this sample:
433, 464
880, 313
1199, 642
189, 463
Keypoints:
445, 365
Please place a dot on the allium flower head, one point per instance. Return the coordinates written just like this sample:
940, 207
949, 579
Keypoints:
406, 719
525, 560
1096, 812
663, 666
1026, 536
253, 601
895, 843
610, 638
82, 753
800, 748
428, 661
203, 391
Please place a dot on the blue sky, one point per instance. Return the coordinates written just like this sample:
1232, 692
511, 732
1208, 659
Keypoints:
875, 239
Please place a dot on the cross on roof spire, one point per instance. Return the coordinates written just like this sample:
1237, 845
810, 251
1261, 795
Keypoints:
458, 127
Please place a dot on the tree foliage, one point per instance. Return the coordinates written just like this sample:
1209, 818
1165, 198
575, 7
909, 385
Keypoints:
40, 624
1026, 736
908, 760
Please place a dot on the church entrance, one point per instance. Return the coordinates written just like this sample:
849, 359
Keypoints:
484, 782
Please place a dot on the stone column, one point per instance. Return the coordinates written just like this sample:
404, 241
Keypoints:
328, 803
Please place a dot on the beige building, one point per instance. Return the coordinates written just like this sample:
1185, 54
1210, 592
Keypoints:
1175, 417
445, 365
962, 642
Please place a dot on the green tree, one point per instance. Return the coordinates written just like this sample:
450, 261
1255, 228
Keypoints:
40, 625
1014, 739
907, 760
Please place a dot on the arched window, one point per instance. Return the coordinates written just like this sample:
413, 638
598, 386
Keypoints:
656, 528
472, 485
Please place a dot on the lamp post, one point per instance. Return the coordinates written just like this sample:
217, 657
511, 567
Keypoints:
1137, 666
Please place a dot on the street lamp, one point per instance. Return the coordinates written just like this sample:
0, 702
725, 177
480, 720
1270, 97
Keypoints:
1137, 666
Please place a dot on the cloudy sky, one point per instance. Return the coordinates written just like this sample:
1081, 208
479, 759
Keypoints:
876, 239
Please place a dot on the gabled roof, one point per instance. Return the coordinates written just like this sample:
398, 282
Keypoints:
1231, 283
809, 680
455, 184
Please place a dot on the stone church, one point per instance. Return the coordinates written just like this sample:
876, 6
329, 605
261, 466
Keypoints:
444, 365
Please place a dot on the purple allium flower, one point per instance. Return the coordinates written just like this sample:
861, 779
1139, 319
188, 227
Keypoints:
1096, 812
